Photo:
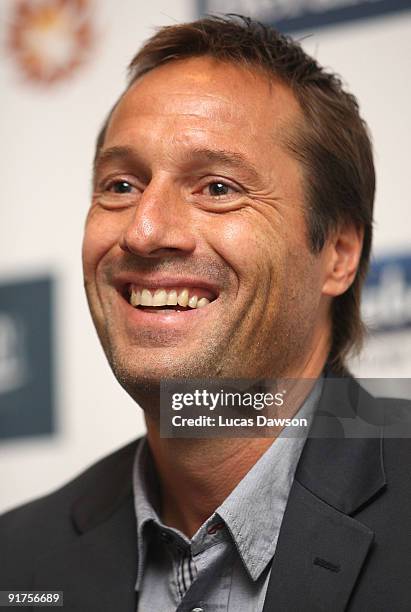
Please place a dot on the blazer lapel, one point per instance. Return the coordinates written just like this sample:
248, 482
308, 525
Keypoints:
321, 547
97, 570
318, 558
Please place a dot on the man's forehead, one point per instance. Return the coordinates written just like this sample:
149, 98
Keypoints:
204, 88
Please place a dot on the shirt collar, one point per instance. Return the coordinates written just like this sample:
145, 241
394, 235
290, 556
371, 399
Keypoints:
146, 501
254, 510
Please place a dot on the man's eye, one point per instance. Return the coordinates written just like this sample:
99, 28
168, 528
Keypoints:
120, 187
219, 189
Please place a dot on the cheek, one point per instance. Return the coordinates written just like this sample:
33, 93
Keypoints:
102, 232
247, 247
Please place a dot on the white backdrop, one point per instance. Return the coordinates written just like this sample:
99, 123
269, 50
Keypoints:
47, 140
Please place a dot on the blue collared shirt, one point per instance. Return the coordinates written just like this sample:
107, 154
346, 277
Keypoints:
226, 565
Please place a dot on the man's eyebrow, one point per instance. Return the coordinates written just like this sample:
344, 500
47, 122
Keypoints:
222, 156
118, 153
218, 156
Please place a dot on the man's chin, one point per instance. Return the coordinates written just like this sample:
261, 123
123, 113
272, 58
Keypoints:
147, 378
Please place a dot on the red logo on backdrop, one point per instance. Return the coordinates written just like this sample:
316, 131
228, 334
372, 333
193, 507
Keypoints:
50, 38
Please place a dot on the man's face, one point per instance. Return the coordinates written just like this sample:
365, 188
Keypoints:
194, 189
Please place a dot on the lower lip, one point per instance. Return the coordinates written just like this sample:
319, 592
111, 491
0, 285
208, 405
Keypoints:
165, 319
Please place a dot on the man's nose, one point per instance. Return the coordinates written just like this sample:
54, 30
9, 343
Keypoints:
160, 224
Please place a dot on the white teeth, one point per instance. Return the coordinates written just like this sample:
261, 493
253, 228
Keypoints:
146, 298
160, 298
182, 299
192, 302
202, 302
172, 298
135, 298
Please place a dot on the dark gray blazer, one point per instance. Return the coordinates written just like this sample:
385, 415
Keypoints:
345, 541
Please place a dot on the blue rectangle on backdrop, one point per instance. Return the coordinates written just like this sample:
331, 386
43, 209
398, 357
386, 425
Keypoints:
386, 300
295, 15
26, 358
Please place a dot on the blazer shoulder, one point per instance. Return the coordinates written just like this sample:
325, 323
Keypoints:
34, 527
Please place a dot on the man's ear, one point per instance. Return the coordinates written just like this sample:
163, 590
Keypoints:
343, 251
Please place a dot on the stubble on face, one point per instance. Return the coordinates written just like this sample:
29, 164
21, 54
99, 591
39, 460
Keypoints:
128, 368
258, 255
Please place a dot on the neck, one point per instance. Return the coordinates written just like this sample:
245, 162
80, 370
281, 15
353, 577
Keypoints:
197, 475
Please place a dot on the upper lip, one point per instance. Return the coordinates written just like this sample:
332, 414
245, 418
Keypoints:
123, 282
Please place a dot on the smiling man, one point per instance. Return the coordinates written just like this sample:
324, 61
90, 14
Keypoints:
197, 202
228, 238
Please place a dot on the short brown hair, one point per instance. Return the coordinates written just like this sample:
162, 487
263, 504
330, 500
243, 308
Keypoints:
333, 143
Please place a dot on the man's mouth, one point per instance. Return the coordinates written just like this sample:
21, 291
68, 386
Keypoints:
169, 298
